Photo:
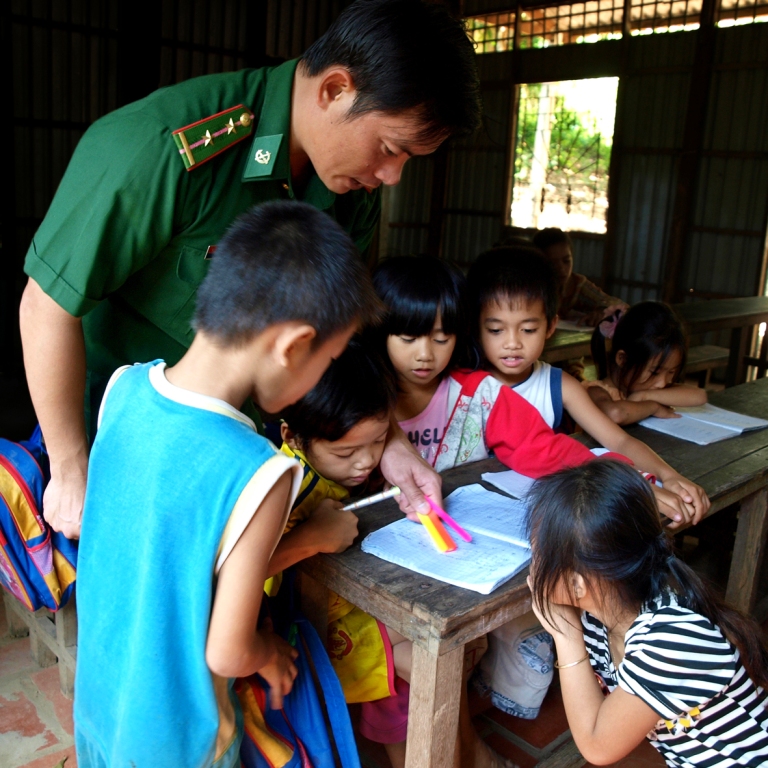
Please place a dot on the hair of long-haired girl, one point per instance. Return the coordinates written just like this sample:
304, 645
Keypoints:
414, 289
648, 330
600, 520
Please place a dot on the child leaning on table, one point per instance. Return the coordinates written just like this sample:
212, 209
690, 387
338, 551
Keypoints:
645, 649
512, 302
186, 501
639, 377
337, 432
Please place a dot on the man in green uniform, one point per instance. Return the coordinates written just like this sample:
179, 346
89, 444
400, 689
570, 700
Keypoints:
115, 265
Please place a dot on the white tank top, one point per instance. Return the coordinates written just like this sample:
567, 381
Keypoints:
543, 389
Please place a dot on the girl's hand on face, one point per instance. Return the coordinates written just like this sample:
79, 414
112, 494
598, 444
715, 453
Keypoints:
672, 506
557, 619
690, 494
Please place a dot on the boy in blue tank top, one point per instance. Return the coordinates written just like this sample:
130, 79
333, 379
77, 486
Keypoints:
186, 501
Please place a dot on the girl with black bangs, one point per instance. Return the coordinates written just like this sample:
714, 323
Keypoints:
455, 416
682, 669
639, 378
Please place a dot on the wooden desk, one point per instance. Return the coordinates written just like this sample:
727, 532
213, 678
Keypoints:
440, 618
566, 345
738, 315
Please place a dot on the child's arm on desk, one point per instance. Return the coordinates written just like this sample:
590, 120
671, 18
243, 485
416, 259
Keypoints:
235, 648
623, 412
687, 502
676, 395
328, 529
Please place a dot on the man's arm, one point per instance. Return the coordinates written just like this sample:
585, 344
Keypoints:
54, 359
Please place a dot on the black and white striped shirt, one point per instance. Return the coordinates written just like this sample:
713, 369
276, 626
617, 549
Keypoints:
680, 664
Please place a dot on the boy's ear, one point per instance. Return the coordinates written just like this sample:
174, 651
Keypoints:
288, 436
552, 326
621, 357
335, 83
293, 343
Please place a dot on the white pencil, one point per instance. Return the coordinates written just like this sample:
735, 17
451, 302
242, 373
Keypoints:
393, 491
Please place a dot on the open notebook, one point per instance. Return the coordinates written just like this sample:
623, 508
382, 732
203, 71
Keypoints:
499, 548
705, 424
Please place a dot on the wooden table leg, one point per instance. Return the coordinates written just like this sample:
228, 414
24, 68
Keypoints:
433, 711
66, 637
736, 373
748, 551
314, 603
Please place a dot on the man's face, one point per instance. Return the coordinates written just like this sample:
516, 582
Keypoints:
365, 151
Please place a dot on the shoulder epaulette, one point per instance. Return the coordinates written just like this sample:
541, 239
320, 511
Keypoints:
199, 142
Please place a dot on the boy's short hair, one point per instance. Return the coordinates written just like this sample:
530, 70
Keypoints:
511, 273
550, 236
413, 289
358, 385
403, 55
280, 262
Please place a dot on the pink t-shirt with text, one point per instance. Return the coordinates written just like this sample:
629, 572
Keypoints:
426, 430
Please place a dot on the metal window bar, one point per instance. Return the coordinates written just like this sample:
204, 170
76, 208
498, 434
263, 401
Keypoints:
595, 20
736, 12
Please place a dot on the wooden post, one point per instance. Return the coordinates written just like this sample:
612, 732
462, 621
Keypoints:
16, 627
690, 157
314, 603
433, 712
66, 637
748, 551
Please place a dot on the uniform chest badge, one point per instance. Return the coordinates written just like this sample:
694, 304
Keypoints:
261, 160
199, 142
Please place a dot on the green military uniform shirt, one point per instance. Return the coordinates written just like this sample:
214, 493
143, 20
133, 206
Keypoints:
124, 242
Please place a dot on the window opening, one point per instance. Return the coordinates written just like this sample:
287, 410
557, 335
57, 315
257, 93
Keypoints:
733, 13
562, 154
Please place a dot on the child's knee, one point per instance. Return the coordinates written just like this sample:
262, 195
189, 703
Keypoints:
517, 669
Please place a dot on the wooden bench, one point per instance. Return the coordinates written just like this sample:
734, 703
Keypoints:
52, 637
704, 359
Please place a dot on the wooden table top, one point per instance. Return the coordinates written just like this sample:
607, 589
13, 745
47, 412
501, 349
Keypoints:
431, 611
565, 345
717, 314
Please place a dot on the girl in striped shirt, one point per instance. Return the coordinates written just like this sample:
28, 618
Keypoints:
681, 668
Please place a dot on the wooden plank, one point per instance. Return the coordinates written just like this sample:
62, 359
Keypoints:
314, 603
17, 627
566, 345
736, 372
718, 314
748, 551
433, 711
568, 756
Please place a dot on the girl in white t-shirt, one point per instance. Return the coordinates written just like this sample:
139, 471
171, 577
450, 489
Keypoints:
644, 648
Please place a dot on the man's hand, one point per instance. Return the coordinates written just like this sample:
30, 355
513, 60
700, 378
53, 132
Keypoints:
63, 500
403, 467
333, 529
280, 672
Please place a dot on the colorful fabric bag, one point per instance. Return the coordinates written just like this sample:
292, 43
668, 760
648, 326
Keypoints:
313, 730
37, 564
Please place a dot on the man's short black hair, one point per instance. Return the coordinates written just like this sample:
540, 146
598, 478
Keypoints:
281, 262
358, 385
511, 273
403, 55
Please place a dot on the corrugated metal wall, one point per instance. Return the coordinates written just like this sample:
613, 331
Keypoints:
725, 249
651, 112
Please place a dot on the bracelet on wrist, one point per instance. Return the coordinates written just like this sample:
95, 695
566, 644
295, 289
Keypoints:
571, 664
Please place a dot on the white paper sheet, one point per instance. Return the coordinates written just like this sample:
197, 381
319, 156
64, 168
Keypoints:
480, 565
711, 414
510, 482
686, 428
488, 513
495, 522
